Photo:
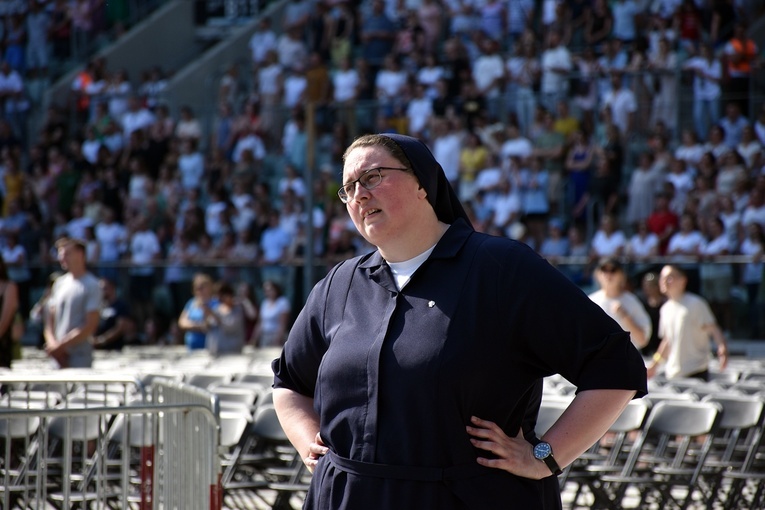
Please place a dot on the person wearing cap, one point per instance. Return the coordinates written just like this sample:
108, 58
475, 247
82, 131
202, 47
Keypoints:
619, 303
412, 378
686, 323
74, 309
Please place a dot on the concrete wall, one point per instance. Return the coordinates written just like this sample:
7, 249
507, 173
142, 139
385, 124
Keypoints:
166, 39
196, 84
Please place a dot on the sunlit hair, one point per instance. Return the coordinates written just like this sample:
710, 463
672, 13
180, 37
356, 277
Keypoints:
379, 141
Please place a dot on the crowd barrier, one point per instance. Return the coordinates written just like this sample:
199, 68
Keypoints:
91, 440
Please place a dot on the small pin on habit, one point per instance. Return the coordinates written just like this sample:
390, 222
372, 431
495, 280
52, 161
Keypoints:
431, 304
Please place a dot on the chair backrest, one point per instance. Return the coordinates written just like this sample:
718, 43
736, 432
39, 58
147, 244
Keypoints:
727, 377
232, 427
669, 431
238, 395
18, 427
265, 380
683, 418
654, 397
633, 417
754, 375
77, 428
266, 424
205, 380
739, 411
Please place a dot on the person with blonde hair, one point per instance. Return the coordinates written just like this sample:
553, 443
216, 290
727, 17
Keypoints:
197, 316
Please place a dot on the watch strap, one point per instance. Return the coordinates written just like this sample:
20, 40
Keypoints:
550, 461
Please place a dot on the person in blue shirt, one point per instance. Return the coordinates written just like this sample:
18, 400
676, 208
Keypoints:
197, 316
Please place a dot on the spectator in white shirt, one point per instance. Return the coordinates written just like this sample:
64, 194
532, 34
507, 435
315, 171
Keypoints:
733, 122
514, 146
708, 72
447, 147
643, 244
262, 41
507, 207
688, 241
751, 149
391, 85
136, 117
91, 145
144, 251
622, 103
419, 112
489, 72
754, 212
295, 85
191, 165
717, 277
689, 150
112, 240
608, 241
619, 303
556, 65
249, 141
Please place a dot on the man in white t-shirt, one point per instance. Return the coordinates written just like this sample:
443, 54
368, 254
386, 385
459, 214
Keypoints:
685, 325
707, 73
622, 103
112, 240
262, 41
136, 117
145, 250
489, 72
556, 65
419, 111
514, 146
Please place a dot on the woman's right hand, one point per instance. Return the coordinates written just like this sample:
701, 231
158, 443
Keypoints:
316, 451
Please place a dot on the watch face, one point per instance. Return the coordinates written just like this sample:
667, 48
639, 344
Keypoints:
542, 450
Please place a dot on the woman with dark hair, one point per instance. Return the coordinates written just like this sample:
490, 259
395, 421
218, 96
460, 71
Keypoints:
413, 376
9, 297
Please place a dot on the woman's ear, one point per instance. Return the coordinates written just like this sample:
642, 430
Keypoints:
421, 193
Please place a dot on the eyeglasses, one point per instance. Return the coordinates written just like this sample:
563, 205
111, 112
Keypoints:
370, 179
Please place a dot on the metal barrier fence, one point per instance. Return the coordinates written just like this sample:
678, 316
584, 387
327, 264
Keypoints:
63, 449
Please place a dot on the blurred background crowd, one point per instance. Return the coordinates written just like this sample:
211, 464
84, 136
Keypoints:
585, 128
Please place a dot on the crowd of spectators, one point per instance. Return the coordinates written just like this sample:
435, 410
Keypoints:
558, 122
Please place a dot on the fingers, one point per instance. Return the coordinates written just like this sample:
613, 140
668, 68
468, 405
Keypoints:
317, 449
485, 426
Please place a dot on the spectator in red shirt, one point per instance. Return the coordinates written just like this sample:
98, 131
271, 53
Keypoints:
662, 221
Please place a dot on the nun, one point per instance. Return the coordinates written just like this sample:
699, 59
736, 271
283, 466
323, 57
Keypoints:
412, 378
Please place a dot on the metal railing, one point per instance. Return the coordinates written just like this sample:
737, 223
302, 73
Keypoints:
142, 453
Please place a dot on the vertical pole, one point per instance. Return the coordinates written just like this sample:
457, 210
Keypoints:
310, 120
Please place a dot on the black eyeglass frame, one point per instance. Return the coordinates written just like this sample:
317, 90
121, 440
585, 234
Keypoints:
346, 197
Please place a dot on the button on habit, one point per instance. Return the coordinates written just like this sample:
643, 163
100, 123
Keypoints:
431, 304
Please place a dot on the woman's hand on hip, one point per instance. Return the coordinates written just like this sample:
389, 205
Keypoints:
513, 454
316, 450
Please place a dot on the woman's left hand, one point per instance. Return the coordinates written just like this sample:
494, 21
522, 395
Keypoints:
513, 454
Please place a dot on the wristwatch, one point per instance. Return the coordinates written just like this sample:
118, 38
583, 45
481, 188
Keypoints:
543, 451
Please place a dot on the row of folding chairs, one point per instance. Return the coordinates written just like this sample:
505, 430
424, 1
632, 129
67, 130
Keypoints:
669, 452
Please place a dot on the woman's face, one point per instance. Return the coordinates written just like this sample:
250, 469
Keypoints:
203, 289
385, 212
